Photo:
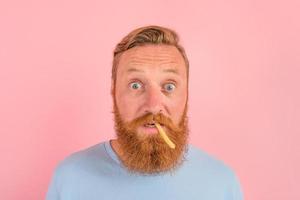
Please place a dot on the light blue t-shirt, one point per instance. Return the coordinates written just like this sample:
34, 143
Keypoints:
96, 173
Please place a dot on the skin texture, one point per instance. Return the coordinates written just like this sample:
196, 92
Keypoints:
151, 85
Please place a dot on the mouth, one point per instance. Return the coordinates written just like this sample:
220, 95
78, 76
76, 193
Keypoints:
149, 128
151, 125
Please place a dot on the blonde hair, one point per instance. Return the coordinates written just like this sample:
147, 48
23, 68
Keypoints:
156, 35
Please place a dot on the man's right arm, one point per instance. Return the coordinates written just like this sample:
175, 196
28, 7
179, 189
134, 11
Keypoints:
52, 193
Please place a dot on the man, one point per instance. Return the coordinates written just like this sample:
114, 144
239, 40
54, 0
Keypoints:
151, 157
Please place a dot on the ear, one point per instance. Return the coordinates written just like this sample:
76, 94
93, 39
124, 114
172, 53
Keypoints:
112, 87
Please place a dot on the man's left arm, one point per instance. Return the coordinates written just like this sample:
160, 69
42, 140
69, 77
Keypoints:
235, 191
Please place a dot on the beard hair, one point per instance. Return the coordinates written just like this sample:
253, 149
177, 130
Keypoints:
149, 154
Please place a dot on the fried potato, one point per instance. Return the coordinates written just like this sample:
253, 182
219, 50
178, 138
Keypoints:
164, 136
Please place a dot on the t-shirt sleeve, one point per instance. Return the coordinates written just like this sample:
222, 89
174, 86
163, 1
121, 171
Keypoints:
235, 191
52, 193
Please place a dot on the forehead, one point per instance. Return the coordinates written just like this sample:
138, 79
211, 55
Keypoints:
152, 57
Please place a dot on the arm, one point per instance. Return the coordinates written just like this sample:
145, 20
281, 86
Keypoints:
52, 193
235, 190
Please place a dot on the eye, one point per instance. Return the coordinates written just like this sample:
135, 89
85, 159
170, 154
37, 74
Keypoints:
135, 85
169, 87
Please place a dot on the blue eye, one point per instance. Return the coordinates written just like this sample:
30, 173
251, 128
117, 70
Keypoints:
135, 85
169, 87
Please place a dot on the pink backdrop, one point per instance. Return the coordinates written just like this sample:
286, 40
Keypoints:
55, 59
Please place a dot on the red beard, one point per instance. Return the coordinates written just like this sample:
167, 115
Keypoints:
149, 154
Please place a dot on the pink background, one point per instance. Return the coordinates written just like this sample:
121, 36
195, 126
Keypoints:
56, 56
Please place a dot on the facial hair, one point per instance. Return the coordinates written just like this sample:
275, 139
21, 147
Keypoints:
149, 154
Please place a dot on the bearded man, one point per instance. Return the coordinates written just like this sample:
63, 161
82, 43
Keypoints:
151, 157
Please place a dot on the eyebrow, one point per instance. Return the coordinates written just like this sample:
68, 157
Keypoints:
175, 71
134, 70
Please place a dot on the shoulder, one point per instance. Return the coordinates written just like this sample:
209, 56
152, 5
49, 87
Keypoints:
211, 168
81, 160
200, 157
76, 167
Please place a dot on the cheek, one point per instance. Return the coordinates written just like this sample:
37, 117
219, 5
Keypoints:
177, 106
127, 106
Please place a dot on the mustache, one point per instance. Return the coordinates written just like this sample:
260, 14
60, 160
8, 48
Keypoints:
150, 118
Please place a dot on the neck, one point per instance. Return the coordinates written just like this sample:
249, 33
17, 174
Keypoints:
116, 147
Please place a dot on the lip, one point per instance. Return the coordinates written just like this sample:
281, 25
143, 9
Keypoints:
149, 130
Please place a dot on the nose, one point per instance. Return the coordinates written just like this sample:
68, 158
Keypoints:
154, 101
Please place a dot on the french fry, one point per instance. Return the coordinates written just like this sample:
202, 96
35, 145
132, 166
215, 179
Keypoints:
164, 136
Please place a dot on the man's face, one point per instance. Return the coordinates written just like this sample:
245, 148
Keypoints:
151, 85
